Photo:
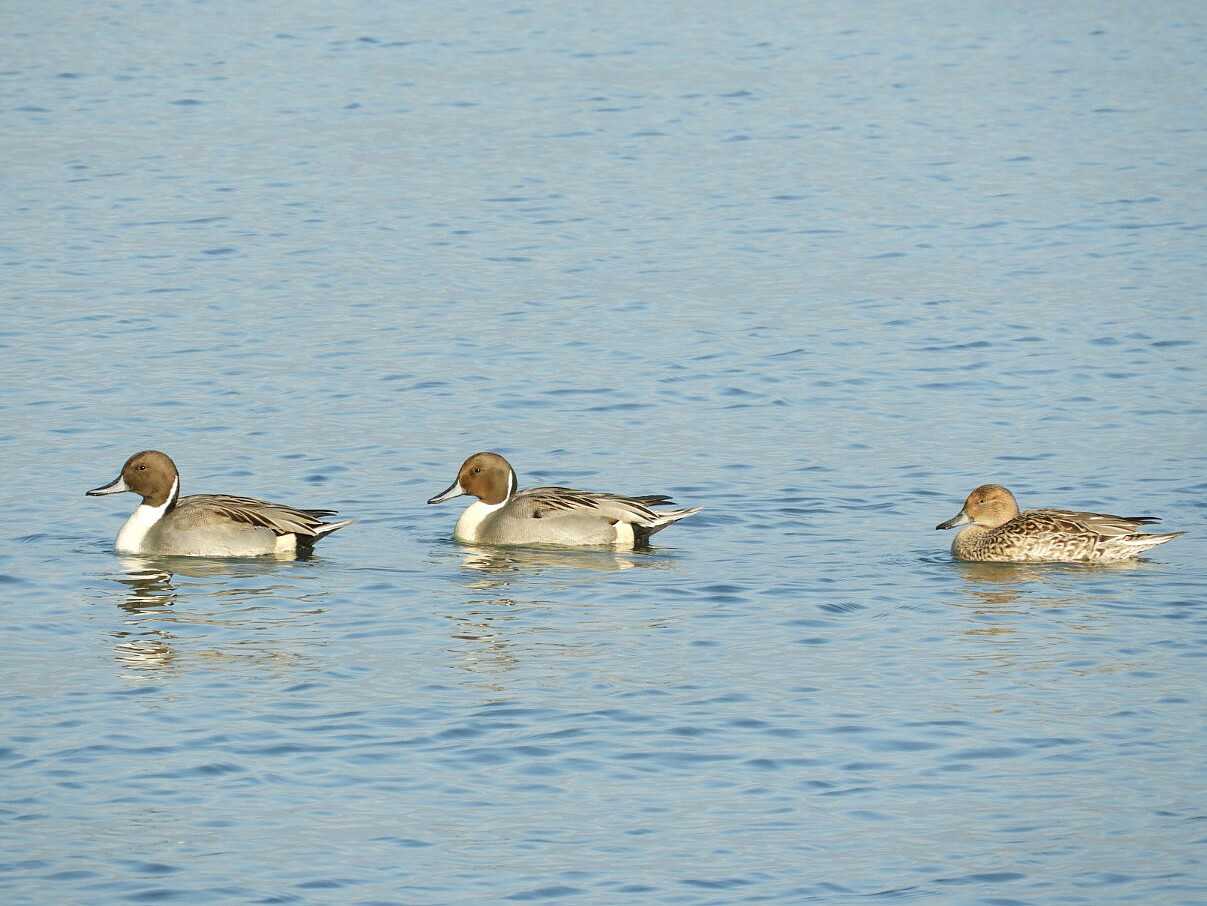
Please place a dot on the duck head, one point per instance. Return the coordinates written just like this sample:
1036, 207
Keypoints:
487, 476
150, 474
988, 506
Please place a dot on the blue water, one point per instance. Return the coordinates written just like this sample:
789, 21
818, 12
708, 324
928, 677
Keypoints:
818, 268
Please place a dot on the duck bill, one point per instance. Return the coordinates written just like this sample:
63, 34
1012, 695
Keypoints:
453, 490
114, 487
961, 518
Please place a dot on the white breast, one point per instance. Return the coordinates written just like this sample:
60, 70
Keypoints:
142, 520
471, 520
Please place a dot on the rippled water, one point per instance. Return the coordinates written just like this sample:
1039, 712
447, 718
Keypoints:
818, 268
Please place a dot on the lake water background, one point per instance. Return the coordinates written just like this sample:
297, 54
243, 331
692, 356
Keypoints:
818, 268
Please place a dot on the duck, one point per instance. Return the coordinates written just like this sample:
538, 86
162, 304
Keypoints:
995, 530
505, 515
207, 525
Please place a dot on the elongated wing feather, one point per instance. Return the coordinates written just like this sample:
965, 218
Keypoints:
1073, 521
276, 517
552, 502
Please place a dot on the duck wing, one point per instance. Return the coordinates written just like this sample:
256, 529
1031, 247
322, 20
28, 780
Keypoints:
556, 502
1075, 521
276, 517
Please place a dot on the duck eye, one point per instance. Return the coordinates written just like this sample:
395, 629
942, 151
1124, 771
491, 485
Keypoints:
142, 468
476, 470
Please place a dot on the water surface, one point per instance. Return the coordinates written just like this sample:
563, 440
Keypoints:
819, 269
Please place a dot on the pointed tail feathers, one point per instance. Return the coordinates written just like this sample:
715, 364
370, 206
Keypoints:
306, 543
329, 527
1142, 541
669, 517
666, 518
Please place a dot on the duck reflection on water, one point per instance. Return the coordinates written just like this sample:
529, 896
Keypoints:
488, 559
161, 609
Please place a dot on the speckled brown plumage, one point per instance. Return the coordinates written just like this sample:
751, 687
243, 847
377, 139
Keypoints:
996, 531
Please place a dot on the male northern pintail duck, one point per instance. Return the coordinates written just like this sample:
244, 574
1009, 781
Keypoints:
502, 514
997, 531
207, 525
